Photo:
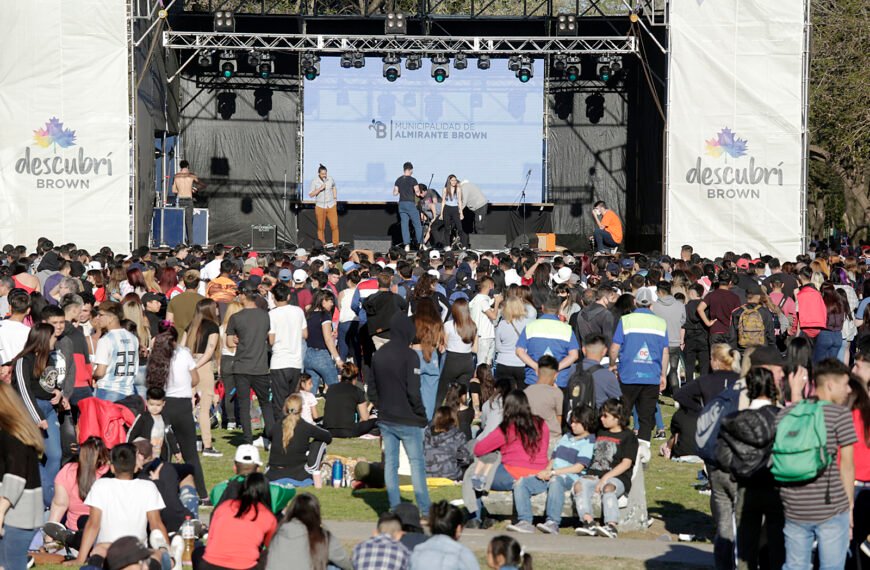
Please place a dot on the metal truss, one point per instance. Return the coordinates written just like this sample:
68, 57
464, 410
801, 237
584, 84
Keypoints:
337, 44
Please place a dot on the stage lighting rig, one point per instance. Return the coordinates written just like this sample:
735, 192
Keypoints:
228, 65
514, 63
346, 60
566, 25
605, 72
460, 61
206, 59
525, 70
615, 64
226, 104
358, 60
572, 72
595, 108
392, 67
483, 61
263, 63
224, 21
263, 101
440, 68
413, 62
396, 23
560, 62
310, 64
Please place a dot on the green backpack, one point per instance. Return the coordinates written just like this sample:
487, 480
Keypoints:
800, 449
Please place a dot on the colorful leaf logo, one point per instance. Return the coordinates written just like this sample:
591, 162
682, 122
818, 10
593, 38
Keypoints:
726, 143
54, 135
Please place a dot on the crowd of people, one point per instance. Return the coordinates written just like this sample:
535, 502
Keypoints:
500, 372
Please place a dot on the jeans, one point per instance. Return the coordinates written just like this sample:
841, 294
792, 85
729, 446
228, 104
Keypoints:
526, 487
190, 500
603, 240
408, 214
429, 374
109, 395
723, 501
13, 547
609, 500
348, 341
262, 388
827, 345
294, 483
832, 536
320, 365
645, 397
50, 464
412, 438
187, 204
501, 481
660, 422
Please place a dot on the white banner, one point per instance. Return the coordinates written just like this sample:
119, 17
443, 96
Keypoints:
64, 151
735, 127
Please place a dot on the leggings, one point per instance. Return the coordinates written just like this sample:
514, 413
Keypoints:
458, 367
178, 413
451, 222
229, 401
206, 400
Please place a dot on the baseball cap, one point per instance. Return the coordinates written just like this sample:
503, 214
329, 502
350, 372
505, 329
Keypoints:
753, 289
742, 263
627, 263
434, 254
612, 268
126, 551
350, 266
644, 297
511, 277
285, 275
247, 454
409, 514
766, 355
563, 275
94, 265
301, 252
257, 271
434, 273
300, 276
253, 255
148, 297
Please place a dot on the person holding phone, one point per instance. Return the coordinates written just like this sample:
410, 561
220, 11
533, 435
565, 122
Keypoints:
325, 196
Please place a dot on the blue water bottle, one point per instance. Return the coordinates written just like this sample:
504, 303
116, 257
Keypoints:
337, 473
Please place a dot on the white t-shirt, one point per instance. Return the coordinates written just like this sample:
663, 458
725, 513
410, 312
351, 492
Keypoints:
125, 506
287, 324
476, 307
178, 385
210, 270
308, 400
118, 349
13, 337
454, 343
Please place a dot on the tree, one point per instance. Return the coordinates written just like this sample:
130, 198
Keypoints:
840, 111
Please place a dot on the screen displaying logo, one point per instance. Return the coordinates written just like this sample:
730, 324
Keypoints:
726, 142
54, 135
379, 128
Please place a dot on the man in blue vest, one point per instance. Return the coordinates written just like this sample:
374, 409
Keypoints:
638, 355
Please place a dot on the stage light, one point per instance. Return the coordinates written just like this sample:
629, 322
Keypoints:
396, 23
560, 62
358, 60
635, 14
226, 104
460, 61
514, 63
310, 64
346, 60
604, 70
414, 62
392, 67
566, 25
594, 108
266, 67
228, 66
524, 71
263, 101
615, 65
206, 59
224, 21
440, 68
483, 61
572, 72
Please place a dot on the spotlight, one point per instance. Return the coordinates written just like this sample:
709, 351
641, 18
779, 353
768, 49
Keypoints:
483, 61
514, 63
228, 66
224, 21
392, 67
460, 61
594, 108
266, 67
396, 23
414, 62
440, 68
605, 72
635, 14
206, 59
566, 25
310, 64
572, 72
358, 60
346, 60
524, 71
263, 101
226, 104
615, 65
560, 62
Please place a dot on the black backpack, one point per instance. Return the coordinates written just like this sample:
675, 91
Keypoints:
580, 390
745, 441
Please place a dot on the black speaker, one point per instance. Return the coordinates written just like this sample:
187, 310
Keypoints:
263, 237
487, 241
381, 244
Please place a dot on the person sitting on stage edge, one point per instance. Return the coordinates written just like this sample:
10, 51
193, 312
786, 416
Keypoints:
608, 233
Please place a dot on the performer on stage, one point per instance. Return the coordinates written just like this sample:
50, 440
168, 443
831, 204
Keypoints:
451, 210
406, 188
429, 204
185, 185
608, 233
475, 201
325, 196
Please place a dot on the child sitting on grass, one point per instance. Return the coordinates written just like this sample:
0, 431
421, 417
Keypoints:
309, 401
445, 447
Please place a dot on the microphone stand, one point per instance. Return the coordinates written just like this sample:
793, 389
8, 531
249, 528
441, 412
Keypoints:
524, 242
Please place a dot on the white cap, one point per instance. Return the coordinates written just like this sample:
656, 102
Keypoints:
511, 277
299, 276
323, 258
381, 264
563, 275
301, 252
434, 273
434, 254
95, 265
247, 454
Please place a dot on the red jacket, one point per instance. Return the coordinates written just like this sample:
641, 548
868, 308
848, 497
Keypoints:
107, 420
811, 311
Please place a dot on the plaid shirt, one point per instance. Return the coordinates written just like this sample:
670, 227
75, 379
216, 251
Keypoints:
381, 553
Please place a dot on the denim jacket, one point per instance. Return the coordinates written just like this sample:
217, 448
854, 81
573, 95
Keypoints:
443, 553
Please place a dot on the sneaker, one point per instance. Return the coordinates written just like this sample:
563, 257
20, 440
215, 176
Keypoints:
865, 547
549, 527
478, 484
211, 452
157, 541
58, 532
607, 530
232, 426
31, 561
205, 502
643, 452
407, 248
586, 528
330, 245
524, 527
176, 551
661, 434
369, 436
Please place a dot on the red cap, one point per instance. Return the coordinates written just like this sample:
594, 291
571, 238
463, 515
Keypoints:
253, 254
257, 271
743, 263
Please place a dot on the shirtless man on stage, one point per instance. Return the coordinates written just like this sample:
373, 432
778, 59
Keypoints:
184, 187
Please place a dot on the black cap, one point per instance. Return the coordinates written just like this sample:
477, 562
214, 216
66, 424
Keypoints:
126, 551
766, 356
753, 289
409, 514
151, 296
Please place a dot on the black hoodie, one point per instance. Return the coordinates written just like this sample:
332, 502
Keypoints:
396, 369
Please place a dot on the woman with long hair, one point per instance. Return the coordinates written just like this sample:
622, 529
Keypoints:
168, 282
133, 312
451, 210
225, 368
297, 448
21, 444
426, 288
429, 342
460, 344
35, 378
151, 284
348, 320
98, 284
134, 283
117, 275
482, 377
322, 360
443, 550
202, 338
829, 340
514, 319
71, 486
240, 529
540, 286
859, 402
302, 538
522, 440
173, 368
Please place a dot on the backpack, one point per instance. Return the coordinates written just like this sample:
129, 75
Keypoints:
724, 404
800, 449
745, 441
783, 322
582, 327
405, 289
580, 390
750, 328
